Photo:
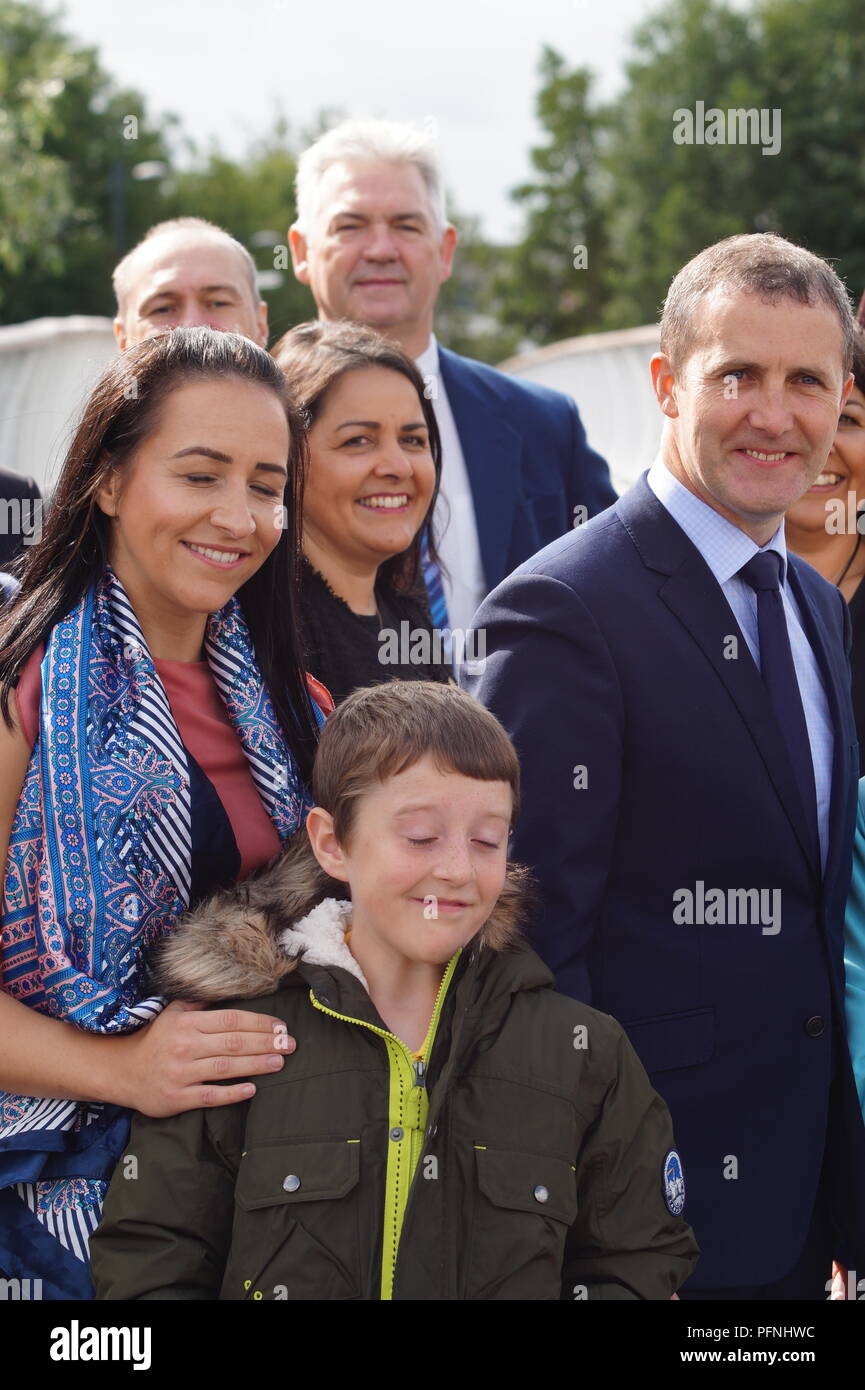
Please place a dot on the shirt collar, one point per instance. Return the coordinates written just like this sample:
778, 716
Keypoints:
428, 362
723, 546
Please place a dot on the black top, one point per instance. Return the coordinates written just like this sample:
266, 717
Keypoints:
857, 661
345, 650
215, 855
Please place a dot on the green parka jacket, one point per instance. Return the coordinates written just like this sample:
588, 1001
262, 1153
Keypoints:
521, 1154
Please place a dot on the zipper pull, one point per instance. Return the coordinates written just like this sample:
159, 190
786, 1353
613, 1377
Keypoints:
420, 1072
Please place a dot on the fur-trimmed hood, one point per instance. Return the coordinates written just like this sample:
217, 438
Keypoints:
244, 941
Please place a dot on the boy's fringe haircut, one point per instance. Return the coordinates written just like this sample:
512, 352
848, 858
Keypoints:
382, 730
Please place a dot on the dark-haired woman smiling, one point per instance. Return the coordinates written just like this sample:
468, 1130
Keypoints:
374, 466
818, 525
157, 741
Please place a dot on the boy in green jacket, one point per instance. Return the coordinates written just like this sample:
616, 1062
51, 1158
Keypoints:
449, 1127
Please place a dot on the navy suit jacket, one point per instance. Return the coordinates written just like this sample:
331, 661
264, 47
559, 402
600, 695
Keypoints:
652, 762
527, 459
13, 486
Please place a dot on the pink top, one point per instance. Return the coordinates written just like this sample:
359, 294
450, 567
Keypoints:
207, 732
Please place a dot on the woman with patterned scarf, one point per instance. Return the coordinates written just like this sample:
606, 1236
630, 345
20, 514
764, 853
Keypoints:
156, 738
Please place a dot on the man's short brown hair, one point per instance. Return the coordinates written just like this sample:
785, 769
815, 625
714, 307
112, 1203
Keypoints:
759, 263
383, 730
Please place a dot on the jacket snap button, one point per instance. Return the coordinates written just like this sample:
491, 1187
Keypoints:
291, 1183
396, 1132
541, 1193
814, 1026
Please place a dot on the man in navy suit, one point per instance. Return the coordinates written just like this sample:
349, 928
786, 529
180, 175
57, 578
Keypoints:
372, 242
677, 686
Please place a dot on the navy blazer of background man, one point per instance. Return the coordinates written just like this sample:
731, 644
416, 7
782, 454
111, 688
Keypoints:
656, 775
527, 459
15, 491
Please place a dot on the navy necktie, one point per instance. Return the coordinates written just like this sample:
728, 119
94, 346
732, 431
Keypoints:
763, 573
434, 586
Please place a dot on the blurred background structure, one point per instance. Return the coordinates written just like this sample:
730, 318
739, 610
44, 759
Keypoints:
47, 367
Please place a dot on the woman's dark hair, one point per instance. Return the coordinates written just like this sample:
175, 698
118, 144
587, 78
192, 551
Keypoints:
121, 412
315, 355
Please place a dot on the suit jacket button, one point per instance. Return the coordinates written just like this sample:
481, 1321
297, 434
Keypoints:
815, 1026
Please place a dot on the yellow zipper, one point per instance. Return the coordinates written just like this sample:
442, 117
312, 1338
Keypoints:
408, 1105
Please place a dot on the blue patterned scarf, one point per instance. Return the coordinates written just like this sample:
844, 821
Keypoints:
98, 869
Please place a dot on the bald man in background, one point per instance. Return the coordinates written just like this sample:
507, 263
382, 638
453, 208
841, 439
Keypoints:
187, 273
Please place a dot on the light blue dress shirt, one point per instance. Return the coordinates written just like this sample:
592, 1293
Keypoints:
726, 548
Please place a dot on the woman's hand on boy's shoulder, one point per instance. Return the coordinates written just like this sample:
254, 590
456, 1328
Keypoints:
184, 1058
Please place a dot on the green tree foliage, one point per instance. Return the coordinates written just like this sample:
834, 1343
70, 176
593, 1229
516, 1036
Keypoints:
548, 293
73, 148
670, 199
35, 193
607, 177
68, 138
647, 203
815, 71
469, 311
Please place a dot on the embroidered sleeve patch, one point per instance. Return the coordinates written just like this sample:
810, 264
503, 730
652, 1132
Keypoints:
674, 1183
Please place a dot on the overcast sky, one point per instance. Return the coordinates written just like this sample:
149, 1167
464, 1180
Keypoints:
226, 66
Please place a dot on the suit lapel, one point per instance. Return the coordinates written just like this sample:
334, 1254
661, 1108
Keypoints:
492, 450
836, 679
695, 597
